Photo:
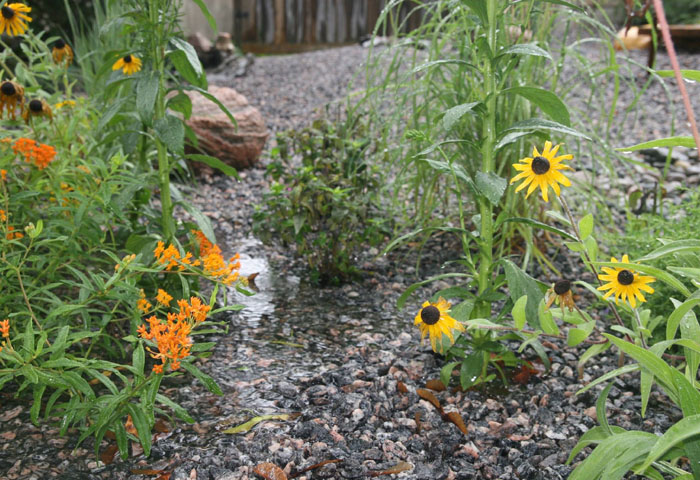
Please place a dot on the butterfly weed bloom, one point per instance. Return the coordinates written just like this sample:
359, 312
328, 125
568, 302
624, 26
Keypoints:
11, 96
12, 234
37, 108
163, 298
625, 284
172, 337
40, 155
213, 261
434, 320
13, 18
129, 64
4, 331
61, 51
543, 171
561, 294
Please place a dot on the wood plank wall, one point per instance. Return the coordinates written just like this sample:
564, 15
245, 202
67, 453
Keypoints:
308, 22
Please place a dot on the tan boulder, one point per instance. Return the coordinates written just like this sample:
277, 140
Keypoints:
240, 146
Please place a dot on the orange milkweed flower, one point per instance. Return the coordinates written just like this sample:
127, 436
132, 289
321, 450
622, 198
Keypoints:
3, 216
3, 175
5, 328
12, 234
163, 298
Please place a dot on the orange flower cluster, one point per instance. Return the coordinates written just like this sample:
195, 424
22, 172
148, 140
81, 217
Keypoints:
40, 154
214, 263
211, 259
12, 235
163, 298
173, 337
4, 330
3, 175
3, 216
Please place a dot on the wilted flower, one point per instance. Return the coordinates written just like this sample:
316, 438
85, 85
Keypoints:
62, 51
11, 96
561, 293
37, 108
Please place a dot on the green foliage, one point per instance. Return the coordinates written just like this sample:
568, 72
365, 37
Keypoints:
327, 205
82, 235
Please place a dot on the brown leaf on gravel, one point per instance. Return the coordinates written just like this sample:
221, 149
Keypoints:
9, 415
161, 426
270, 471
428, 395
162, 474
457, 419
401, 387
398, 468
108, 454
435, 385
418, 424
313, 467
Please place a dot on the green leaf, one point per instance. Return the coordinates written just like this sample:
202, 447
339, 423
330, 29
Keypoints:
671, 248
667, 278
592, 436
539, 124
680, 311
491, 186
122, 439
547, 101
547, 323
615, 373
453, 115
146, 94
181, 103
520, 284
139, 359
211, 97
479, 9
205, 11
245, 427
688, 142
193, 60
525, 49
446, 373
693, 75
611, 449
591, 352
179, 410
58, 348
407, 293
171, 132
585, 226
38, 393
565, 4
600, 409
543, 226
143, 428
215, 163
470, 370
206, 380
678, 433
578, 335
518, 312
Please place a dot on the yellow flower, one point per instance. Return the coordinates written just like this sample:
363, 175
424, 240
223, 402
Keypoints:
129, 64
60, 51
65, 103
433, 319
561, 293
625, 283
37, 108
13, 18
11, 97
542, 170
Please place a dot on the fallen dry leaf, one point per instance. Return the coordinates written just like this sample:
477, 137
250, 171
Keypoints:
270, 471
108, 454
245, 427
313, 467
457, 419
401, 387
398, 468
428, 395
435, 385
418, 424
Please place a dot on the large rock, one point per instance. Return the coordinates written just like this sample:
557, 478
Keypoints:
239, 147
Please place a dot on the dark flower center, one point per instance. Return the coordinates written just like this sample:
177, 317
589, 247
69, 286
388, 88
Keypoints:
36, 106
430, 315
540, 165
562, 286
127, 59
625, 277
60, 44
7, 13
8, 89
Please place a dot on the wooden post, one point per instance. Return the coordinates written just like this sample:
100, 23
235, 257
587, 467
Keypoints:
280, 32
310, 21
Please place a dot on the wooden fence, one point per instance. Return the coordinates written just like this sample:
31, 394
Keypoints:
287, 25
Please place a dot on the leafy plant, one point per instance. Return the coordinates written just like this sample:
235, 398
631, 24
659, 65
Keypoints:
327, 205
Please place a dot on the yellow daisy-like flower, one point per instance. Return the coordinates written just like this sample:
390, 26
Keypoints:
129, 64
62, 51
625, 283
434, 319
13, 18
542, 170
11, 97
37, 108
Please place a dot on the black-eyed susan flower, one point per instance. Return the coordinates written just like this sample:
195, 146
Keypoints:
434, 319
542, 170
624, 283
61, 51
561, 293
11, 96
13, 18
37, 108
129, 64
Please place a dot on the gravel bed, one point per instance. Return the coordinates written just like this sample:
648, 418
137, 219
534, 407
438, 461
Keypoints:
343, 358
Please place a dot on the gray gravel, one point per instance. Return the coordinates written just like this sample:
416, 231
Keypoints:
336, 355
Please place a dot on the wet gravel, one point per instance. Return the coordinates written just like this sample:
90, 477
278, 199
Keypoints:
343, 358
